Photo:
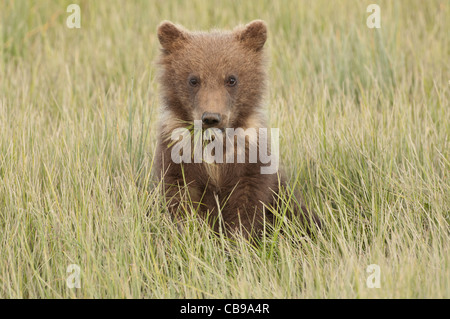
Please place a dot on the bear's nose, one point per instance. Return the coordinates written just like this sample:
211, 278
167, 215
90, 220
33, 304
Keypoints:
211, 118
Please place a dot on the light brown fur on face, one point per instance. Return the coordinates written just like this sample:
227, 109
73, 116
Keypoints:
212, 57
221, 73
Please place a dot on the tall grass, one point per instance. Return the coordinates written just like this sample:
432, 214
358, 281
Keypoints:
364, 121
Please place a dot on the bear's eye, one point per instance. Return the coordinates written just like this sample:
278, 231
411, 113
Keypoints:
231, 81
194, 81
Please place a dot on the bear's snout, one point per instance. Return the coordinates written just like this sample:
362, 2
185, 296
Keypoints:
211, 119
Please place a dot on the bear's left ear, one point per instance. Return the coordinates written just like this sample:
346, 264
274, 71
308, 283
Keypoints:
253, 35
171, 36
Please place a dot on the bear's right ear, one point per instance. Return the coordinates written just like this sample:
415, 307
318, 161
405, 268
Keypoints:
253, 35
170, 36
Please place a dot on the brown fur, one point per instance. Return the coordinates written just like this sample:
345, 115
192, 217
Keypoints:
230, 194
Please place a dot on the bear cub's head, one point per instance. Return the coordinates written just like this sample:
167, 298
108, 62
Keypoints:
217, 77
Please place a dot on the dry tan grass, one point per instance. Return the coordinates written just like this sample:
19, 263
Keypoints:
364, 121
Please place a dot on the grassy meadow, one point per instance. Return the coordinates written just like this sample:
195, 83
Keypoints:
364, 118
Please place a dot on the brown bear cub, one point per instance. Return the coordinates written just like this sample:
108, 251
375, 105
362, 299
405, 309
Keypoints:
217, 79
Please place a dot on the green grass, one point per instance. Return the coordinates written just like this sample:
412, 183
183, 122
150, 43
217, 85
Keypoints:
364, 118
